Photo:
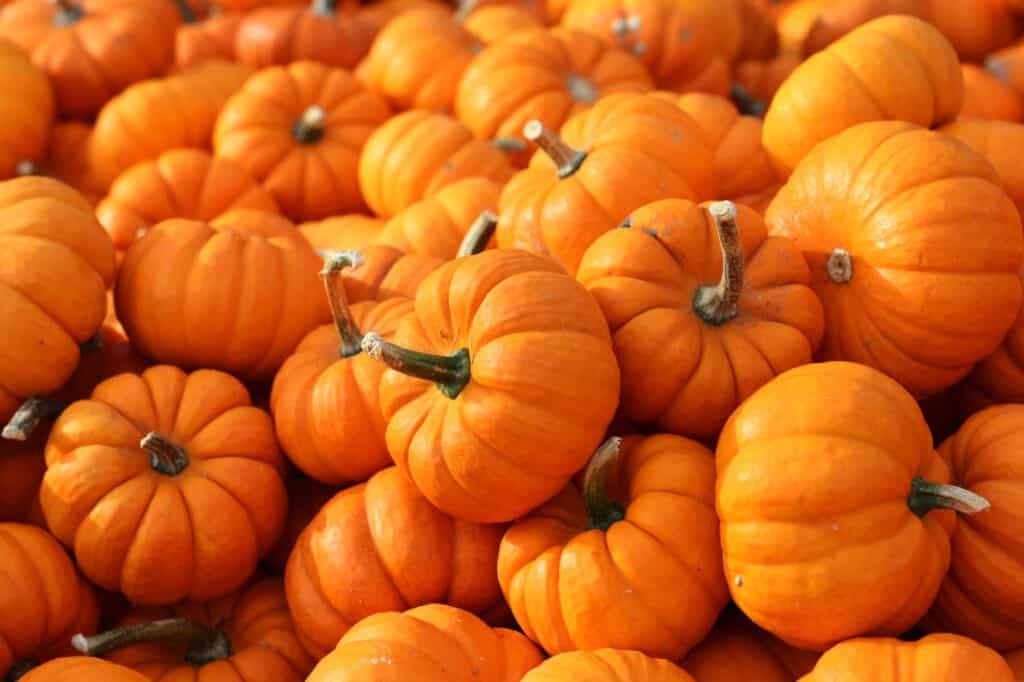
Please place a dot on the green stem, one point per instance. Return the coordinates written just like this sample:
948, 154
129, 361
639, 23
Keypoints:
348, 331
187, 15
451, 373
509, 145
29, 414
479, 233
205, 644
165, 456
926, 496
67, 13
20, 669
309, 127
717, 304
602, 512
567, 160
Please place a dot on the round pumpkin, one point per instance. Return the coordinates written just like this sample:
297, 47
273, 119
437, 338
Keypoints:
166, 485
976, 28
760, 34
836, 513
908, 233
379, 14
67, 159
1007, 65
1016, 661
380, 272
305, 498
212, 37
299, 130
998, 378
704, 308
432, 642
81, 669
316, 30
760, 79
812, 25
892, 68
342, 233
988, 97
21, 470
1001, 143
491, 23
606, 665
27, 109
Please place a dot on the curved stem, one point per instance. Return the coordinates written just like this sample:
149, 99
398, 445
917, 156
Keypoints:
67, 13
187, 15
926, 496
720, 303
165, 457
309, 127
449, 372
480, 232
602, 512
465, 8
29, 414
567, 159
348, 331
205, 644
745, 102
509, 145
839, 266
325, 7
20, 669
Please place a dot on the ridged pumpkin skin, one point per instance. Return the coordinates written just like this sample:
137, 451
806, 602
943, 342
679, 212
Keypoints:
988, 97
606, 665
156, 537
342, 233
45, 601
936, 658
381, 546
810, 26
933, 248
305, 498
43, 221
761, 78
415, 154
21, 470
651, 582
892, 68
998, 378
977, 599
1001, 143
67, 159
213, 37
491, 23
236, 294
181, 183
817, 464
26, 108
307, 30
387, 272
82, 669
433, 642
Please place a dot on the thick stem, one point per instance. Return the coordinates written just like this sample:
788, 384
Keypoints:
926, 496
745, 102
309, 127
567, 159
67, 13
720, 303
20, 669
327, 8
602, 512
509, 145
480, 232
165, 457
205, 644
839, 266
187, 15
27, 417
450, 372
348, 331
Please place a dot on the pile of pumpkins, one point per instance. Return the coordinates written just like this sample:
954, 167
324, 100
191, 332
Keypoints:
512, 341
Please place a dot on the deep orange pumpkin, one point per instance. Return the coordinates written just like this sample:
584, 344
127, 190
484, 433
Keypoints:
342, 233
21, 470
1001, 143
760, 79
1016, 661
81, 669
315, 30
212, 37
607, 665
27, 109
988, 97
305, 498
976, 28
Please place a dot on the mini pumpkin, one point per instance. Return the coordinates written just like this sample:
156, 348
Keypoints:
305, 498
1007, 65
1016, 661
988, 97
810, 26
21, 470
760, 79
212, 37
317, 30
80, 669
342, 233
491, 23
760, 34
1001, 143
607, 665
67, 159
999, 377
977, 28
27, 109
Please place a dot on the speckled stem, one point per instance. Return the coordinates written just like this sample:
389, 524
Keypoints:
602, 512
839, 266
926, 496
719, 303
567, 159
205, 644
165, 457
25, 420
480, 232
451, 373
349, 335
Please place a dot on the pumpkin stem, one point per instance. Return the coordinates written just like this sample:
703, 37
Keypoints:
326, 8
165, 457
926, 496
205, 644
187, 15
67, 13
26, 167
581, 89
601, 511
29, 414
745, 102
465, 8
449, 372
839, 266
509, 145
567, 159
348, 330
309, 127
20, 669
720, 303
480, 232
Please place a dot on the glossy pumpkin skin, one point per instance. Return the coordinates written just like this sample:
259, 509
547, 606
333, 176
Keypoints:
310, 180
681, 370
607, 665
21, 470
493, 22
433, 642
640, 149
786, 511
216, 517
180, 183
380, 546
415, 154
342, 233
302, 31
82, 669
45, 600
211, 38
916, 211
892, 68
988, 97
27, 109
571, 587
936, 658
45, 221
236, 294
1001, 143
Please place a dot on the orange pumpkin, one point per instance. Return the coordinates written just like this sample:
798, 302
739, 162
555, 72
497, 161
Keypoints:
986, 96
1007, 65
975, 27
27, 109
491, 23
760, 79
317, 31
236, 294
381, 272
998, 378
80, 669
607, 665
1016, 661
342, 233
432, 642
576, 571
67, 159
892, 68
379, 14
810, 26
21, 470
760, 34
834, 460
210, 38
909, 232
299, 130
188, 446
1001, 143
697, 329
305, 498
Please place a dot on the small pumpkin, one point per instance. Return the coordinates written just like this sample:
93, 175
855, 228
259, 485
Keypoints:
67, 159
166, 485
305, 498
342, 233
80, 669
317, 30
212, 37
377, 15
976, 28
1007, 65
760, 34
988, 97
27, 109
382, 272
997, 378
1001, 143
491, 23
1016, 661
809, 26
21, 470
760, 79
607, 665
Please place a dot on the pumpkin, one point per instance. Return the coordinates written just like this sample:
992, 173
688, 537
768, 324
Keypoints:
92, 49
1001, 143
760, 34
977, 27
305, 498
998, 378
1007, 65
246, 5
936, 658
905, 212
44, 600
504, 361
80, 669
67, 159
316, 31
1016, 661
542, 74
44, 222
576, 571
986, 96
416, 153
27, 109
810, 26
236, 294
760, 79
210, 38
627, 151
342, 233
977, 599
191, 449
895, 67
427, 643
380, 546
157, 115
247, 635
21, 470
834, 460
379, 14
697, 329
180, 183
380, 272
299, 130
491, 23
